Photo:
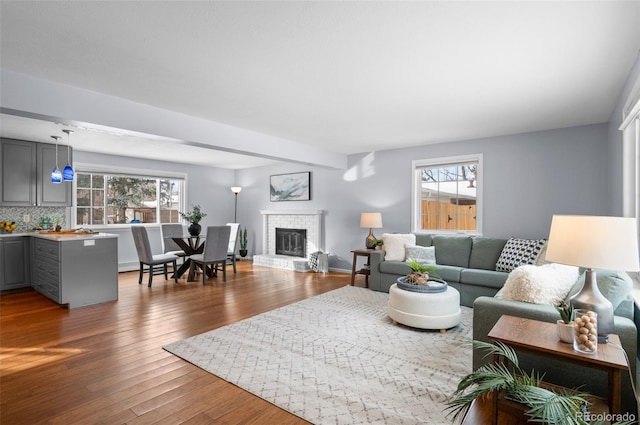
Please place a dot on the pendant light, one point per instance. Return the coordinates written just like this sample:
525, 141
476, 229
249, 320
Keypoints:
56, 174
68, 173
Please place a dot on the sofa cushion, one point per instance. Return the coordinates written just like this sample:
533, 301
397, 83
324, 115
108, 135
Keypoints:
424, 239
422, 254
546, 284
488, 278
485, 253
518, 252
452, 250
448, 273
615, 286
394, 243
395, 267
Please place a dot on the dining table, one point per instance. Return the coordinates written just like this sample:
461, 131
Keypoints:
190, 245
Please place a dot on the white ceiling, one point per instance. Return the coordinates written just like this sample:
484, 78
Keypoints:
348, 77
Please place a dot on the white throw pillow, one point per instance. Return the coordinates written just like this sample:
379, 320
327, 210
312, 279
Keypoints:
546, 284
422, 254
394, 243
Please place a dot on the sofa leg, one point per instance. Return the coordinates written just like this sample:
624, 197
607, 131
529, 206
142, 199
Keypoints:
394, 323
443, 331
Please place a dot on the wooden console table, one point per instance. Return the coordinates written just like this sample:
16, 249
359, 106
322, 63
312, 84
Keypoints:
540, 338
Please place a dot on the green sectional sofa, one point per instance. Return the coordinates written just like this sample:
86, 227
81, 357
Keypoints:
467, 263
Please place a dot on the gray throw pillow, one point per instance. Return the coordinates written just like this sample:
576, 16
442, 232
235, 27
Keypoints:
422, 254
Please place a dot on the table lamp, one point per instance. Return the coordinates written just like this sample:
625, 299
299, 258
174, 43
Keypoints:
594, 242
372, 220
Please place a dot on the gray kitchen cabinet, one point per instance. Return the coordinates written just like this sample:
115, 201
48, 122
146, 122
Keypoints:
14, 263
18, 174
76, 272
25, 175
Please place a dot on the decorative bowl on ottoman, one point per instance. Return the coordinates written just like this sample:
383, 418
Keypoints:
432, 285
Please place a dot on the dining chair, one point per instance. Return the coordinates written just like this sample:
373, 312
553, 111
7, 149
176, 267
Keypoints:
157, 264
170, 231
216, 246
234, 238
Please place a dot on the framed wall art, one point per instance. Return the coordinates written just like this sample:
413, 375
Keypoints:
291, 187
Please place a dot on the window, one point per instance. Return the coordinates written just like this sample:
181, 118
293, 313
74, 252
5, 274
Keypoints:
103, 198
631, 157
446, 195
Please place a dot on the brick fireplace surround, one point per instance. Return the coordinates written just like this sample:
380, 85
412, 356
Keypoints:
311, 220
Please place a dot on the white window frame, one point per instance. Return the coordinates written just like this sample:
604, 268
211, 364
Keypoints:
417, 165
115, 170
631, 157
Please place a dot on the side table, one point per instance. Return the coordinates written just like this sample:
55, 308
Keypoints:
540, 338
365, 269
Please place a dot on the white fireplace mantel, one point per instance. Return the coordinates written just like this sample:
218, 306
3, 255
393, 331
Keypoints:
305, 219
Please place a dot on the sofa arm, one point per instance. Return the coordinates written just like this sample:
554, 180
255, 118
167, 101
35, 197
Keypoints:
375, 258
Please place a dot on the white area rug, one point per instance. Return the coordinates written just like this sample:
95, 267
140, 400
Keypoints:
336, 358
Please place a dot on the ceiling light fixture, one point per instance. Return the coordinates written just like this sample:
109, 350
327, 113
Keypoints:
68, 173
56, 174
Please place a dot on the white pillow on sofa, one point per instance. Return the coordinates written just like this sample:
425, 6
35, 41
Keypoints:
546, 284
394, 245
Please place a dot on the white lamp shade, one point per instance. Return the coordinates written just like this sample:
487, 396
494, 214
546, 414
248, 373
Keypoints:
236, 189
594, 242
372, 220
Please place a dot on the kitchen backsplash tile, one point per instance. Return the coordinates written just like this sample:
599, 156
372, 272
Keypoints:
36, 215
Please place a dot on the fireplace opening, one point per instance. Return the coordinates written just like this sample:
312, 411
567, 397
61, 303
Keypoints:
292, 242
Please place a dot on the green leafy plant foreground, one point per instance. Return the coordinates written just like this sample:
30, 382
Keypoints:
545, 406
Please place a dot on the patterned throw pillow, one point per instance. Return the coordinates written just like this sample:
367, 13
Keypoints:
518, 252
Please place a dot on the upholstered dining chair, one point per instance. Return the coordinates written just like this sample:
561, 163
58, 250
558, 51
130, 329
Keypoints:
234, 239
170, 231
215, 253
157, 264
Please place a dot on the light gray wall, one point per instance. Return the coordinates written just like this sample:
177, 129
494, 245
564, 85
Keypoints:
528, 178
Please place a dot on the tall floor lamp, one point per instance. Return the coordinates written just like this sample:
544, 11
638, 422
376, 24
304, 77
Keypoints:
236, 190
593, 242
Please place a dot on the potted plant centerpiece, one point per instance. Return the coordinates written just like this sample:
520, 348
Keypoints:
194, 216
565, 326
243, 242
422, 278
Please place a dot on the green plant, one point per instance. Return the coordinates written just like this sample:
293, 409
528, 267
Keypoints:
243, 238
566, 312
421, 267
194, 216
545, 406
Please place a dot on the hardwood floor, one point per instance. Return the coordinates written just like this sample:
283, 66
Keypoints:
104, 364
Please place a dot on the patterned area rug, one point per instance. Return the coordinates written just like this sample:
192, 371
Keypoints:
336, 358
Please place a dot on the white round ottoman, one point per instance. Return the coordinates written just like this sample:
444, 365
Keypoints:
440, 310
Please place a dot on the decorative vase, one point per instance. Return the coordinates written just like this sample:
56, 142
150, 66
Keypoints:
194, 229
565, 331
243, 253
